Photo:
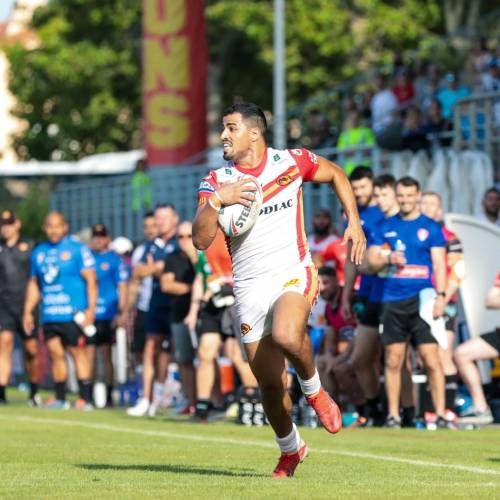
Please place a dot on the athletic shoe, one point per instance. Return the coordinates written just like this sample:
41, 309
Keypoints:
431, 420
153, 408
81, 405
35, 401
288, 462
140, 409
473, 416
327, 411
187, 410
392, 422
449, 421
57, 404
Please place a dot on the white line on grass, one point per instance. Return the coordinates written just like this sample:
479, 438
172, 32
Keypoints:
239, 442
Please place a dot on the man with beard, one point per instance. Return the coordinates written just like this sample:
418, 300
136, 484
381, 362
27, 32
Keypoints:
322, 234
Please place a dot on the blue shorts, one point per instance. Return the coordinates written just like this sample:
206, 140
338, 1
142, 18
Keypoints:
157, 322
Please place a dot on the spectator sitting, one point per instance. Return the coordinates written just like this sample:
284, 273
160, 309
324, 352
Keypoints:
427, 86
383, 105
490, 80
414, 136
491, 207
354, 134
435, 124
404, 89
450, 95
318, 135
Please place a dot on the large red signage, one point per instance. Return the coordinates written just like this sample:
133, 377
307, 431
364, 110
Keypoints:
175, 66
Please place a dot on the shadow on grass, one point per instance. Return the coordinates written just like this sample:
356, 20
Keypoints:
175, 468
494, 460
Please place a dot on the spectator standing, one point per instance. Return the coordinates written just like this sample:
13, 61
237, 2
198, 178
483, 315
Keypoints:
177, 282
383, 105
455, 272
404, 89
448, 96
63, 279
409, 248
355, 134
111, 312
157, 319
15, 271
140, 289
491, 207
435, 124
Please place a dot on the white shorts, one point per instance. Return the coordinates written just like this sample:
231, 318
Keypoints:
255, 302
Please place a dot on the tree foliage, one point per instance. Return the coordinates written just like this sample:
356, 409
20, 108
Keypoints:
79, 92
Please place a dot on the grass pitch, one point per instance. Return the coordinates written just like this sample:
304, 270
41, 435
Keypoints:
105, 454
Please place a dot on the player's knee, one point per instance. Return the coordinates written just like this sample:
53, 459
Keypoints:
462, 355
289, 343
393, 361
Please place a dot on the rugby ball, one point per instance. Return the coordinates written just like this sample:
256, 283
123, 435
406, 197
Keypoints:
236, 220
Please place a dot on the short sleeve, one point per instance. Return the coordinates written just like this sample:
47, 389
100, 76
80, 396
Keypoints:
207, 186
87, 259
307, 162
123, 271
34, 267
375, 237
170, 265
436, 239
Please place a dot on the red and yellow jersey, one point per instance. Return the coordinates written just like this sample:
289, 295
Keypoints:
278, 240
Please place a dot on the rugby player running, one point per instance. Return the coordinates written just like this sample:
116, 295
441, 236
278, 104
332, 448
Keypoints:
275, 281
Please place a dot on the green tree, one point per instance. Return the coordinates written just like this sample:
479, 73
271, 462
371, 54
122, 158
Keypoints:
79, 92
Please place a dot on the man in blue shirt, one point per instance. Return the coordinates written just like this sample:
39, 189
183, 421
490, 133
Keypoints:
157, 320
110, 312
408, 249
364, 357
63, 279
449, 96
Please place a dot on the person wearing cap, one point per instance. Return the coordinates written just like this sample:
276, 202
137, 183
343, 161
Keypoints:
63, 280
448, 96
15, 267
110, 312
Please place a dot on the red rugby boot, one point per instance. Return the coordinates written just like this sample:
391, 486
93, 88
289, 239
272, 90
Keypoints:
288, 461
327, 410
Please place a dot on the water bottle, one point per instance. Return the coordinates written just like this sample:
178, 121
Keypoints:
400, 246
79, 319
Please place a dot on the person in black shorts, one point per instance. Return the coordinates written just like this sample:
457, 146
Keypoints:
408, 250
487, 346
157, 318
177, 281
15, 269
63, 281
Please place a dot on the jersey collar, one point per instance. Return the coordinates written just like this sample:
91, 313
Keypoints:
256, 171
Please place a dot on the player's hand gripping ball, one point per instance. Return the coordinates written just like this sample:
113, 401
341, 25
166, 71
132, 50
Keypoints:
237, 219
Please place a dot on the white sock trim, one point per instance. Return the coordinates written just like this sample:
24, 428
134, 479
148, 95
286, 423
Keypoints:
310, 386
290, 443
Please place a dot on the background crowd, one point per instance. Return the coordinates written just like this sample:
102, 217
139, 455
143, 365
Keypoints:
175, 307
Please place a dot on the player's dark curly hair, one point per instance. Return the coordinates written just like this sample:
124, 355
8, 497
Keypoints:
249, 111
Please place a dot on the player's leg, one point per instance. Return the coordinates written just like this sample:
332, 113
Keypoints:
407, 392
449, 367
208, 350
429, 352
6, 348
268, 365
90, 352
290, 313
105, 353
365, 360
184, 355
59, 367
151, 349
394, 359
30, 346
466, 355
234, 353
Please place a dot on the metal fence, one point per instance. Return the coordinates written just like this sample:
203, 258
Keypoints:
109, 199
